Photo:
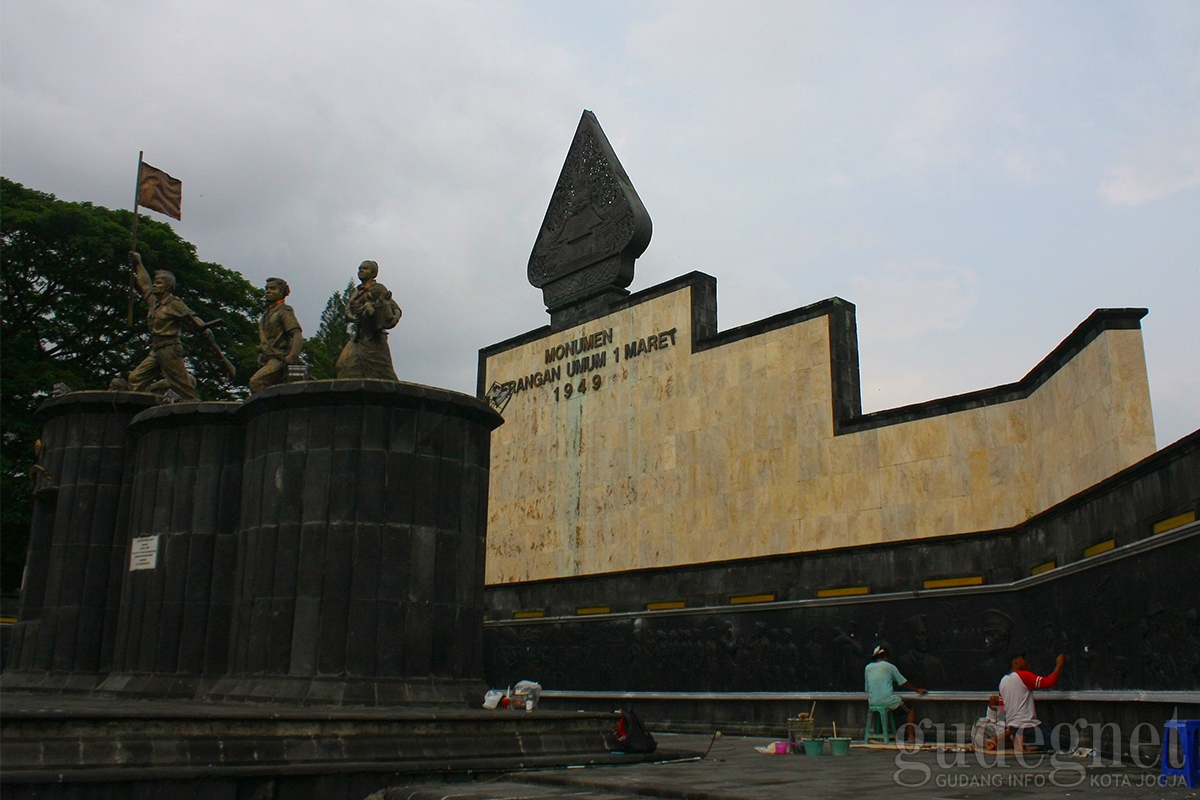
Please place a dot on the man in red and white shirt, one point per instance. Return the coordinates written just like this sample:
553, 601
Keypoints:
1016, 690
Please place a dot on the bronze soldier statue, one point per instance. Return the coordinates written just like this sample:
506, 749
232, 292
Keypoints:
165, 316
372, 311
279, 337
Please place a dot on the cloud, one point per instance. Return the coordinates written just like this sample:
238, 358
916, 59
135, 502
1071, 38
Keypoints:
795, 150
898, 302
826, 97
1034, 164
311, 137
1159, 167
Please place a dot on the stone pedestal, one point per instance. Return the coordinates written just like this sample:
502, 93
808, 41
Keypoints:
65, 630
85, 748
173, 626
361, 545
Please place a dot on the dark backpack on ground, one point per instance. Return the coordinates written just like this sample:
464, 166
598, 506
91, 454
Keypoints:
631, 735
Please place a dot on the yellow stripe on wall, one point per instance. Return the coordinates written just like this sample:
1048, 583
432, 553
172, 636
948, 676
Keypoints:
530, 614
594, 610
1040, 568
664, 605
947, 583
844, 591
752, 598
1097, 549
1174, 522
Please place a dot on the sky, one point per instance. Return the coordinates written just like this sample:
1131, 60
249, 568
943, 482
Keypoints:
977, 177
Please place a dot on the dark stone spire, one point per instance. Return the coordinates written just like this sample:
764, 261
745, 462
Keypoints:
595, 227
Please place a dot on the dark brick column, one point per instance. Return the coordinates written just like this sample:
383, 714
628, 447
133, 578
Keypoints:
68, 617
361, 546
173, 626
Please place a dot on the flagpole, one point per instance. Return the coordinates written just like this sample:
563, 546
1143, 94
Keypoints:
133, 237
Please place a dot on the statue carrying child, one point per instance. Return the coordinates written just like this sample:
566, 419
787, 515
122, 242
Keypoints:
372, 312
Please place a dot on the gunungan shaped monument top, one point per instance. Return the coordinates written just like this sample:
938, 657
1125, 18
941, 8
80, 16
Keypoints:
594, 229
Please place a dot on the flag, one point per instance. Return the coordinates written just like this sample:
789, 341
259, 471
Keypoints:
159, 192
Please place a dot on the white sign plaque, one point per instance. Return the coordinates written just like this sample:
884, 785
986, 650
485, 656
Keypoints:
144, 554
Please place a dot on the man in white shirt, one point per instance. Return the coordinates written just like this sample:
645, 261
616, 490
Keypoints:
1016, 690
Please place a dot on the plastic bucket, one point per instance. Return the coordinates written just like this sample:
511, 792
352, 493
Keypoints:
840, 746
814, 747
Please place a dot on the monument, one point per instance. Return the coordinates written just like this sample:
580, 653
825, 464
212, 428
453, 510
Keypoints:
682, 511
252, 596
312, 587
595, 228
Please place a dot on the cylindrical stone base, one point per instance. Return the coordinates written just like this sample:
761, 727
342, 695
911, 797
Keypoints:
68, 615
173, 627
361, 547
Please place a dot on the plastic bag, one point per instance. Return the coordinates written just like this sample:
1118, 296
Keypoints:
985, 728
492, 699
530, 691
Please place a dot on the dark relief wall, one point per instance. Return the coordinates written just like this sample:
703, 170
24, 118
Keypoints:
1125, 625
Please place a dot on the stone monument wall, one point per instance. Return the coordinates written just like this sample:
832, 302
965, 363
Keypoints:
644, 438
361, 545
1102, 577
322, 542
67, 620
178, 577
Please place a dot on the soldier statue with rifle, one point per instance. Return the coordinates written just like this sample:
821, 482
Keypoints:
165, 318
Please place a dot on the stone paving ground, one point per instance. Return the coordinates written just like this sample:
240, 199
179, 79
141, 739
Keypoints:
734, 770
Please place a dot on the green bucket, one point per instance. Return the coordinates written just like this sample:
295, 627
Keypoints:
813, 747
840, 746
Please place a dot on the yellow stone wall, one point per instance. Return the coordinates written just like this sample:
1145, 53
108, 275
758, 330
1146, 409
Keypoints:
730, 452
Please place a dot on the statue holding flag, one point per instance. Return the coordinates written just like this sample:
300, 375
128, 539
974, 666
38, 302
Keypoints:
158, 191
165, 317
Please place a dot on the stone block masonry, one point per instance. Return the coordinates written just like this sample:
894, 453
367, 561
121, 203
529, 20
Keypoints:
360, 577
66, 625
675, 444
173, 627
322, 542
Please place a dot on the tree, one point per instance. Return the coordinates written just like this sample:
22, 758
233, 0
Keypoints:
322, 350
64, 289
